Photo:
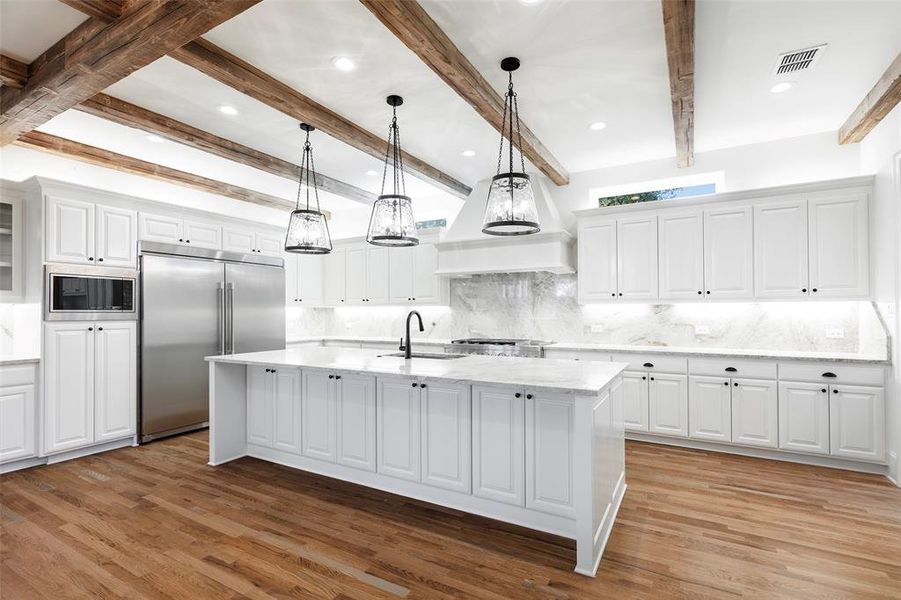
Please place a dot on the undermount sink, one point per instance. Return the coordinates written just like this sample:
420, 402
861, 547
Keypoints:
433, 355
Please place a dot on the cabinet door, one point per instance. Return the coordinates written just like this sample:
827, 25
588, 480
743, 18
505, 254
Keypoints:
400, 278
668, 404
636, 251
286, 402
68, 385
498, 452
597, 262
755, 413
399, 423
310, 279
259, 406
857, 422
710, 408
550, 422
427, 286
355, 275
117, 237
377, 278
780, 250
269, 244
115, 379
728, 255
70, 231
318, 415
839, 262
804, 417
159, 228
238, 240
292, 278
16, 422
635, 401
446, 436
202, 235
334, 278
356, 421
681, 255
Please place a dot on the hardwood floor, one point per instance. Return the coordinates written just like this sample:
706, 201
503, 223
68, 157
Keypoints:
157, 522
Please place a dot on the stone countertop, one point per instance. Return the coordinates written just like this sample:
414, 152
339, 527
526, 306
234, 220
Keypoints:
9, 360
581, 377
364, 340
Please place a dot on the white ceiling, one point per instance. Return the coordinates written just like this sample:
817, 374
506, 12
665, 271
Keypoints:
583, 61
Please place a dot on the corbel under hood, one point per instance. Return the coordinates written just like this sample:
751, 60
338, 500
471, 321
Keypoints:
465, 250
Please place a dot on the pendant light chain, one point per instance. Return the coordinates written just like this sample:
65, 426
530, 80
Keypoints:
394, 152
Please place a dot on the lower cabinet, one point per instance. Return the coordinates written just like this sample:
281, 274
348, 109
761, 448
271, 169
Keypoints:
710, 408
804, 417
355, 419
90, 383
398, 428
318, 415
17, 413
668, 404
635, 401
856, 418
498, 444
446, 436
550, 427
273, 408
755, 413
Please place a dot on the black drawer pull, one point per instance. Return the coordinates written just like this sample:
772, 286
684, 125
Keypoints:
649, 365
731, 370
829, 374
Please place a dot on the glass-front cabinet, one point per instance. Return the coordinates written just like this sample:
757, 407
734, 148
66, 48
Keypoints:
10, 249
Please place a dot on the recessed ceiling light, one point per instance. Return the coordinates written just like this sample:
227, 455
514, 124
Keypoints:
342, 63
780, 87
225, 109
155, 139
372, 173
469, 153
597, 126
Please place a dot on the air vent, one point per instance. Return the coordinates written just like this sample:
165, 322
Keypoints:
795, 61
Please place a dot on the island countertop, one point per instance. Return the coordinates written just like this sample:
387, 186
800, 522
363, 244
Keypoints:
536, 373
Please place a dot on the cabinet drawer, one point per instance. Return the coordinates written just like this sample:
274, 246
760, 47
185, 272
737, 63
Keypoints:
814, 372
667, 364
17, 375
732, 368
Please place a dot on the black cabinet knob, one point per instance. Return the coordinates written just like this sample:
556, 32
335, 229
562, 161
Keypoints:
620, 293
613, 294
187, 241
331, 376
699, 292
415, 384
823, 390
643, 377
803, 289
517, 395
269, 370
100, 329
180, 240
813, 290
735, 384
90, 258
528, 396
834, 391
708, 291
100, 259
422, 385
337, 377
725, 383
90, 329
652, 379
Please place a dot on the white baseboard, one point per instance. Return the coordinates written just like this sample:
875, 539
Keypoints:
87, 451
24, 463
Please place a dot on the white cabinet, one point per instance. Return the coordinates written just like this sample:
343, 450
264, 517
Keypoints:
550, 429
87, 233
498, 452
259, 406
838, 245
355, 417
597, 262
17, 413
367, 275
304, 279
274, 408
269, 244
728, 253
90, 383
412, 278
804, 417
636, 263
668, 404
399, 419
202, 235
446, 436
318, 415
857, 422
710, 408
355, 275
780, 249
334, 278
115, 380
161, 228
755, 413
635, 401
681, 255
238, 240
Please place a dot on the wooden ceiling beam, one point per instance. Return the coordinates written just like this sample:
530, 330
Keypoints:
12, 72
130, 115
878, 103
247, 79
105, 10
412, 25
679, 30
127, 164
97, 54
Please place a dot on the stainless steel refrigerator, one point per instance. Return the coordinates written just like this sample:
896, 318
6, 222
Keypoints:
196, 303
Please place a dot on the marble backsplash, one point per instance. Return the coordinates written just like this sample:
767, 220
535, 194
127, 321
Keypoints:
544, 306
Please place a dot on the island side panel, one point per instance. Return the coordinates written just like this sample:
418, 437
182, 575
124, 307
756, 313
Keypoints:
599, 472
228, 412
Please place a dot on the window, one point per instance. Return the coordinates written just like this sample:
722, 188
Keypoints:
658, 194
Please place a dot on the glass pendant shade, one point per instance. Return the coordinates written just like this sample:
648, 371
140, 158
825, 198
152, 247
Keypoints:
308, 228
391, 222
511, 206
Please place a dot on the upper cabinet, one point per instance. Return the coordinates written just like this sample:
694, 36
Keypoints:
367, 273
248, 242
87, 233
412, 278
800, 244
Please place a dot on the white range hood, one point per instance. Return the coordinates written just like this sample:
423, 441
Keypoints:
465, 250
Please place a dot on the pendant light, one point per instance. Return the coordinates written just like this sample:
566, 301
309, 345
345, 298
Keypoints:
391, 222
511, 204
308, 229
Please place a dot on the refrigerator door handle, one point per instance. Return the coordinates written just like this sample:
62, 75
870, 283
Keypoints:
220, 320
230, 303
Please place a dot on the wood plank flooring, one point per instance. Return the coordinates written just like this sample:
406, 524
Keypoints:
157, 522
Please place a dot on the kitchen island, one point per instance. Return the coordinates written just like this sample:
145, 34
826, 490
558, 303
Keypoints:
534, 442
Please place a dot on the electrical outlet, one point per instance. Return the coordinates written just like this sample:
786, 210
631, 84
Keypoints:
702, 330
835, 333
596, 328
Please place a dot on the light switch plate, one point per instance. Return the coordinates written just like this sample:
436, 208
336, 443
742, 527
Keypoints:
835, 333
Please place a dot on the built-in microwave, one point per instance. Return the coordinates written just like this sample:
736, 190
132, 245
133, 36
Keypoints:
79, 293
